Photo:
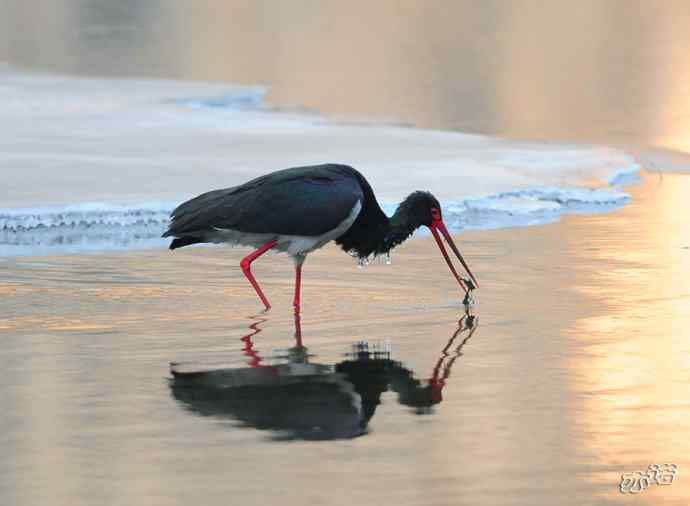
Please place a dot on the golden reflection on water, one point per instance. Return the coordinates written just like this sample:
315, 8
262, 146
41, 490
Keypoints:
634, 357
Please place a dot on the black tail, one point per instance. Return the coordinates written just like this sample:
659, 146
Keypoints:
184, 241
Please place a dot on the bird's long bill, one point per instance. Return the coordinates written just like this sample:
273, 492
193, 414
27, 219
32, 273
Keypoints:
435, 227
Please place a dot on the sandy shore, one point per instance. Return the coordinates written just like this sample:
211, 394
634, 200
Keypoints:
577, 373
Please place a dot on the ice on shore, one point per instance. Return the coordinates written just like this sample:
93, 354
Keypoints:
93, 164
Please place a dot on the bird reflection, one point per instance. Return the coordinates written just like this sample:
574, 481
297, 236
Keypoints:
299, 399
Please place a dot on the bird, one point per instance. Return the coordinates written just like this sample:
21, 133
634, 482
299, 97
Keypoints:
300, 209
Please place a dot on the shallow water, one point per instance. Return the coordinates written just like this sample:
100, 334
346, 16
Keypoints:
576, 372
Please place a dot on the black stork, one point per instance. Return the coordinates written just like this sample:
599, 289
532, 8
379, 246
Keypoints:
300, 209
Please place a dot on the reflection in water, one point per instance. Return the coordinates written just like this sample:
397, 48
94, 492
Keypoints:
299, 399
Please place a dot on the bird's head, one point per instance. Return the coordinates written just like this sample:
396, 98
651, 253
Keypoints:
422, 208
419, 207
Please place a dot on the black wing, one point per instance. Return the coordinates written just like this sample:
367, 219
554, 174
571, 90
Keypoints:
306, 201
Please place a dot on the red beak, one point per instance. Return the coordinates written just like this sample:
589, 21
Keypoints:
437, 225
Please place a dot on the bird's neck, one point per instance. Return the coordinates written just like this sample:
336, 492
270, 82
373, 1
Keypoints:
398, 229
374, 234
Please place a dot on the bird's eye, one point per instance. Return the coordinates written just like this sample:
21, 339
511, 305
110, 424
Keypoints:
435, 213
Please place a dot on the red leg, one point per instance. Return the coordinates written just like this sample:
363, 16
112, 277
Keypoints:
298, 283
298, 329
246, 263
299, 260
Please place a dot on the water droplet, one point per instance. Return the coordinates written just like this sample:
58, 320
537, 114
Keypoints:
388, 259
361, 262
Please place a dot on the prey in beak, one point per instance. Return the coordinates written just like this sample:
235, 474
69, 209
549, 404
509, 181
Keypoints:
437, 226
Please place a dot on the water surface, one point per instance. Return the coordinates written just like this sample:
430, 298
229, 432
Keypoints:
577, 368
576, 372
597, 70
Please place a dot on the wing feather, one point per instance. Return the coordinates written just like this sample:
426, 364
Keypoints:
306, 201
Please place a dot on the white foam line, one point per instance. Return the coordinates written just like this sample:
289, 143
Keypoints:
99, 226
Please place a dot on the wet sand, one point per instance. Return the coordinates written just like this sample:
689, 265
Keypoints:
577, 372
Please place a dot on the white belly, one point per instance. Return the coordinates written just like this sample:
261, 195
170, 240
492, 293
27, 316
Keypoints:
296, 245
